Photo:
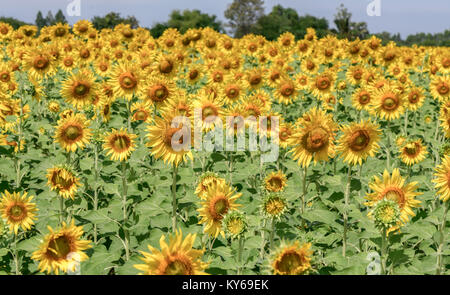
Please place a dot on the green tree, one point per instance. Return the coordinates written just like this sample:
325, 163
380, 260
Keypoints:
348, 29
112, 19
60, 18
243, 16
158, 29
281, 20
40, 20
193, 19
50, 19
15, 23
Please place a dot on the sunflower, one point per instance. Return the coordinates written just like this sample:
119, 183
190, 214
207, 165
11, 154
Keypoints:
126, 80
323, 84
292, 259
286, 91
210, 109
309, 66
82, 27
413, 152
284, 133
415, 98
355, 75
394, 188
275, 181
160, 139
176, 258
159, 90
141, 111
17, 210
274, 205
440, 88
387, 103
313, 137
80, 89
235, 224
61, 249
442, 180
72, 132
359, 141
254, 79
39, 64
63, 180
232, 90
219, 200
119, 144
206, 180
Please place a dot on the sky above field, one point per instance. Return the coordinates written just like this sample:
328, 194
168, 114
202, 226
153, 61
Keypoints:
397, 16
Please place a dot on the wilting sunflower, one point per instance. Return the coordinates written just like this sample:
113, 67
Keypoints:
61, 248
176, 258
219, 200
63, 180
413, 152
206, 180
126, 80
275, 181
387, 103
313, 137
72, 132
358, 141
394, 188
119, 144
440, 88
17, 210
292, 259
80, 89
160, 139
442, 180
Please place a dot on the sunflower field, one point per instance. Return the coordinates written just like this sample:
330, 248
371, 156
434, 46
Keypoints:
91, 183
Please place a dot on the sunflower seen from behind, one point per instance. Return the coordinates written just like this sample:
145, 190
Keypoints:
175, 258
61, 248
17, 210
393, 187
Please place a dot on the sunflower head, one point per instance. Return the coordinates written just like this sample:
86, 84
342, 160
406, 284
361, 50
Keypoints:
175, 258
17, 210
274, 205
60, 247
64, 180
72, 132
386, 213
235, 224
275, 181
119, 144
292, 259
206, 180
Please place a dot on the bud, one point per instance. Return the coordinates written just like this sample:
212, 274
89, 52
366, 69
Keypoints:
386, 213
235, 224
274, 205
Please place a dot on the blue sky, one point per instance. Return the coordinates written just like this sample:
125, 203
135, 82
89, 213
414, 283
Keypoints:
403, 16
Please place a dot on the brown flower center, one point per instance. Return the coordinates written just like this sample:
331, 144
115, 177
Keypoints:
80, 89
121, 142
394, 194
323, 83
169, 134
359, 140
59, 248
127, 80
390, 102
315, 140
40, 62
73, 132
4, 76
166, 66
218, 207
255, 79
85, 53
158, 93
287, 89
17, 212
178, 265
289, 263
413, 97
443, 88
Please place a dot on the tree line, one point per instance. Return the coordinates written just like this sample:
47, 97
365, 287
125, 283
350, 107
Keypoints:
248, 16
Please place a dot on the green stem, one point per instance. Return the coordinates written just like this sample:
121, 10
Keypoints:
61, 209
95, 188
174, 198
439, 269
406, 123
16, 256
272, 233
240, 248
124, 209
346, 203
305, 172
388, 146
263, 242
384, 252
